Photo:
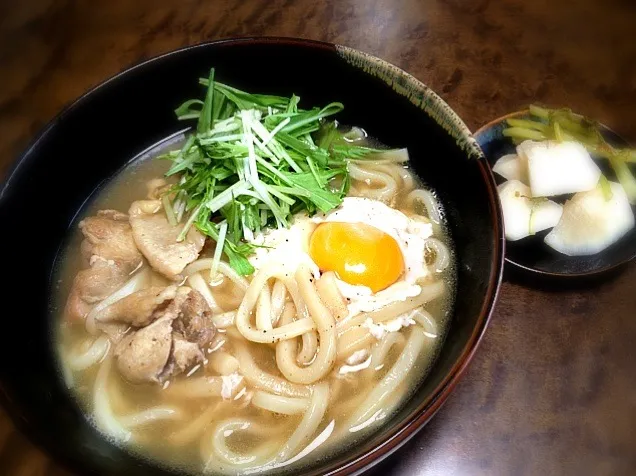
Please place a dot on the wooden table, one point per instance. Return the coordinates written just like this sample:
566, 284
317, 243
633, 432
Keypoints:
552, 389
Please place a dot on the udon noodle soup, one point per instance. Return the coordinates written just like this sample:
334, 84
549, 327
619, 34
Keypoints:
227, 373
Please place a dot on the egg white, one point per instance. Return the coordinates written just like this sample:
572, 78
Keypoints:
287, 247
290, 248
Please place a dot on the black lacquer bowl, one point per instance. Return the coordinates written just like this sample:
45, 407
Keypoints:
88, 142
531, 255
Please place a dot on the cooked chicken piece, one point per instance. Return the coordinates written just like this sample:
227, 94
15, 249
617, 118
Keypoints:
195, 319
186, 319
91, 286
113, 330
157, 239
141, 308
76, 308
110, 237
111, 254
86, 251
100, 280
184, 355
174, 310
143, 355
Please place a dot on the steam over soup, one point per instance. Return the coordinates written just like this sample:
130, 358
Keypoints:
274, 288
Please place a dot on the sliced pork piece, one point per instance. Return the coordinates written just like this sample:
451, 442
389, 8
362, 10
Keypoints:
100, 280
140, 308
111, 255
157, 239
181, 314
76, 308
143, 355
93, 285
110, 237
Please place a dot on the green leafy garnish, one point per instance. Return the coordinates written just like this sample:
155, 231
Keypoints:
252, 163
565, 125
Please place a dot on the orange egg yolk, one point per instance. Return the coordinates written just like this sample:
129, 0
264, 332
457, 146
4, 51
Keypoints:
359, 254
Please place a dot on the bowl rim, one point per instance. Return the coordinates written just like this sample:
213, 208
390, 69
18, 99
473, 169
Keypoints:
539, 272
399, 434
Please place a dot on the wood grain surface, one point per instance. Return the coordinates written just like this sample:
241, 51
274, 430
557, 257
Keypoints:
552, 389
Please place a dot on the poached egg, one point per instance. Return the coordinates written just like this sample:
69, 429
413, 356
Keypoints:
376, 252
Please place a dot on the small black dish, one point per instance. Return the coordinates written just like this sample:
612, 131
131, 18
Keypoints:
531, 254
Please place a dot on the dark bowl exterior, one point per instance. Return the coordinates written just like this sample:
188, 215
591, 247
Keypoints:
531, 255
95, 136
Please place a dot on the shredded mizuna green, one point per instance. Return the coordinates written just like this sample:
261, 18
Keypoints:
253, 161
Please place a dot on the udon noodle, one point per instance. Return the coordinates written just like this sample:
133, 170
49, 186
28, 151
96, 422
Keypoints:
288, 372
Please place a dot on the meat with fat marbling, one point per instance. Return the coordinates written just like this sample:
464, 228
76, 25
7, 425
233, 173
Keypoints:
142, 355
157, 239
140, 308
186, 322
112, 255
110, 237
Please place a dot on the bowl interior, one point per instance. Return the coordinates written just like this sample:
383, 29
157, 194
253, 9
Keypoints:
103, 130
531, 254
